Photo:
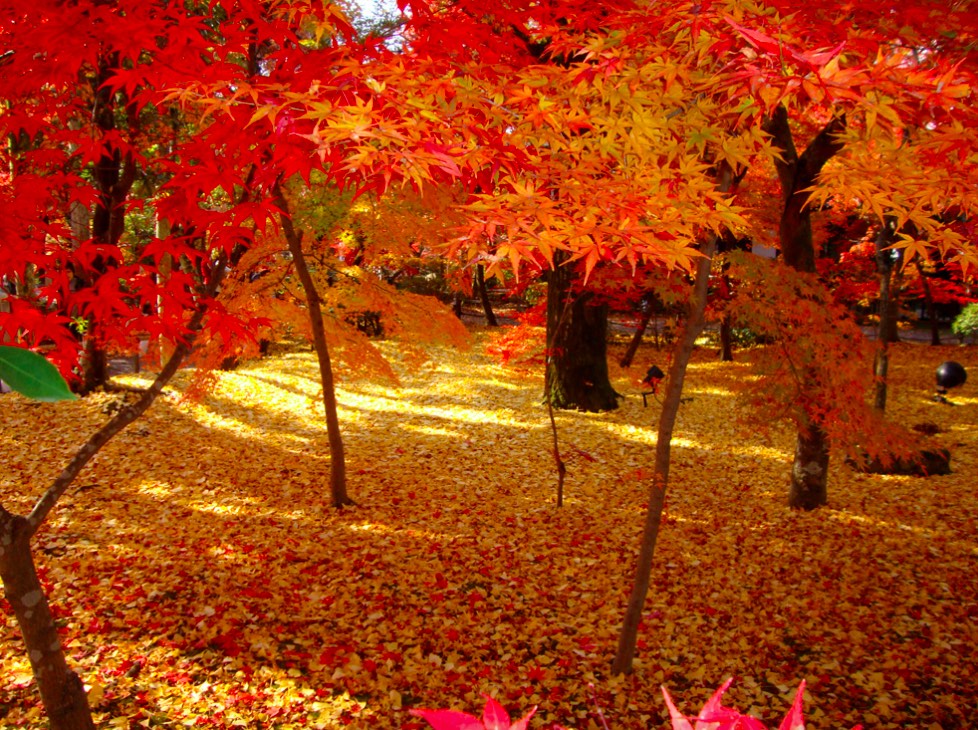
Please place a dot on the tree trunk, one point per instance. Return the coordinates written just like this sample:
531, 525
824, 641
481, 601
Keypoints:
797, 174
62, 692
337, 457
94, 361
114, 177
577, 363
643, 324
480, 285
726, 340
559, 464
884, 270
457, 304
935, 326
810, 469
671, 399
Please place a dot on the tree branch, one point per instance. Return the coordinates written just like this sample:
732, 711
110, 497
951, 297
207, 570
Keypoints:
127, 415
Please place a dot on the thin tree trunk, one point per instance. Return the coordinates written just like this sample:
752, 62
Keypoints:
643, 324
480, 285
884, 270
337, 457
935, 326
726, 340
457, 304
549, 373
62, 692
672, 396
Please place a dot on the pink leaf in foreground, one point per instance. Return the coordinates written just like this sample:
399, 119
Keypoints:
794, 720
714, 714
524, 722
449, 719
679, 721
494, 715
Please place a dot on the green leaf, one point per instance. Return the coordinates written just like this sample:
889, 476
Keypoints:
31, 375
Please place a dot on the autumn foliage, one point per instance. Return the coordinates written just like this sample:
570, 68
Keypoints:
200, 182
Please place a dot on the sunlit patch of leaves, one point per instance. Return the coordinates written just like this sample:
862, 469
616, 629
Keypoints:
200, 577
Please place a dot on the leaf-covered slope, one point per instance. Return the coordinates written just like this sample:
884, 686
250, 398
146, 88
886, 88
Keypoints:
201, 577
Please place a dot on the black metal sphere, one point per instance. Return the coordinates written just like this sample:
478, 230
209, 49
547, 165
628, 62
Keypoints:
951, 374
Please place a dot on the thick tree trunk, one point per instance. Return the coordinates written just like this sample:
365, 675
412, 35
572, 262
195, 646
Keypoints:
337, 456
577, 364
61, 689
480, 285
810, 469
671, 399
643, 324
797, 174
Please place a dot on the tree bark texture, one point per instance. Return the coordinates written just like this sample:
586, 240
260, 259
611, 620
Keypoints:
809, 475
337, 456
810, 469
61, 689
577, 364
671, 400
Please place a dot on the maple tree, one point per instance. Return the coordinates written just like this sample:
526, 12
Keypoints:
337, 461
770, 79
843, 99
131, 59
337, 294
872, 101
600, 135
544, 120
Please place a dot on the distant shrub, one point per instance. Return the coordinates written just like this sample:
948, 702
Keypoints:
965, 325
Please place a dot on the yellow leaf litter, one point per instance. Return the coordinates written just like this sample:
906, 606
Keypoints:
200, 577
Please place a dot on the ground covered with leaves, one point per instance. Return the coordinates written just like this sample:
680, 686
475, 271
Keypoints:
201, 578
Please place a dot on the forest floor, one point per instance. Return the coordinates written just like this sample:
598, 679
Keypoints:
201, 578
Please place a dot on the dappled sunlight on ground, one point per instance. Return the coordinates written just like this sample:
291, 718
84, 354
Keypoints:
200, 575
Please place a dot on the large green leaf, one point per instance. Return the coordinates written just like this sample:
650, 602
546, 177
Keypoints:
30, 374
